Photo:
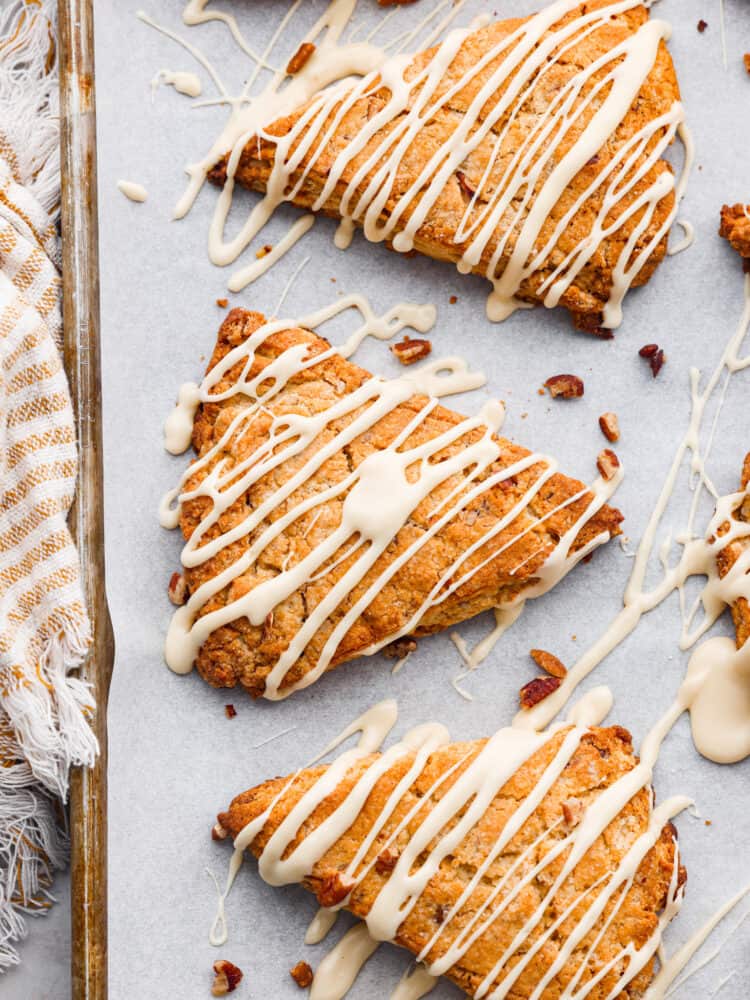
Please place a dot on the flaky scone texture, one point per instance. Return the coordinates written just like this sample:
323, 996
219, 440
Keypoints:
603, 756
436, 236
241, 653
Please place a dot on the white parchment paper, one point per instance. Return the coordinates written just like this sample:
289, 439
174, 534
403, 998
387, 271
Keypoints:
175, 759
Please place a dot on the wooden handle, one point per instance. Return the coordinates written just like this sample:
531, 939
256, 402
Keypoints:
88, 787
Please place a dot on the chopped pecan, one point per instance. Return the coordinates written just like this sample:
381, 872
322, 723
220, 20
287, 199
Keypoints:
300, 58
548, 662
267, 627
227, 978
746, 61
648, 350
264, 251
465, 186
572, 811
334, 889
408, 351
177, 589
565, 386
610, 426
222, 303
537, 690
302, 974
230, 711
386, 861
657, 362
400, 648
218, 832
702, 25
735, 227
607, 463
453, 300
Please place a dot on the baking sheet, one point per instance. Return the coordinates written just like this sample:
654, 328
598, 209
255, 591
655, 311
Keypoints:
175, 759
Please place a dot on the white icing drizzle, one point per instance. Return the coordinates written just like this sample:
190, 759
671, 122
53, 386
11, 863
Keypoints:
343, 963
523, 59
246, 275
183, 82
415, 983
370, 517
720, 707
687, 240
437, 830
504, 618
132, 191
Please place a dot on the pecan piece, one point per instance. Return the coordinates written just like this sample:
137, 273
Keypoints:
657, 362
334, 889
222, 303
565, 386
702, 25
408, 351
607, 463
548, 662
746, 61
537, 690
300, 58
648, 350
610, 426
227, 978
218, 832
302, 974
230, 711
464, 184
572, 811
400, 648
177, 589
386, 861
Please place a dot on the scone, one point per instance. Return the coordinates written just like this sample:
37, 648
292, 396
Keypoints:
331, 512
529, 151
728, 556
526, 865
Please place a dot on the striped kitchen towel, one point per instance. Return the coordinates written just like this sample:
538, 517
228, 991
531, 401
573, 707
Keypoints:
44, 629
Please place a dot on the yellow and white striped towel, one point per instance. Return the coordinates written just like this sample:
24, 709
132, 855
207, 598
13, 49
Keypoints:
44, 630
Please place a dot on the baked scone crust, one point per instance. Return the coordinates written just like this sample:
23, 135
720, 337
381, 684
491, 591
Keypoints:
435, 237
241, 653
603, 756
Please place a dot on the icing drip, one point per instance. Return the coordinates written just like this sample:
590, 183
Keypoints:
414, 984
535, 179
720, 708
370, 518
132, 191
436, 832
184, 83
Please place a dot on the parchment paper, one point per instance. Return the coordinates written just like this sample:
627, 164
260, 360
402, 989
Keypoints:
175, 759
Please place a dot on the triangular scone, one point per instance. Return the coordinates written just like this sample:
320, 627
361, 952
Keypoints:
331, 512
512, 154
542, 850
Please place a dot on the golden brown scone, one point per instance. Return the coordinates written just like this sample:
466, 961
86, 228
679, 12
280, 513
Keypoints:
436, 236
735, 227
728, 556
602, 756
242, 653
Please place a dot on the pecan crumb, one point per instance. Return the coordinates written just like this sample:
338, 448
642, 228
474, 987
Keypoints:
227, 978
657, 362
548, 662
648, 350
334, 889
386, 862
230, 711
302, 974
702, 25
607, 463
440, 914
565, 386
408, 351
177, 589
300, 58
264, 251
218, 832
222, 303
537, 690
400, 648
610, 426
464, 183
746, 61
453, 300
735, 227
572, 811
267, 626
